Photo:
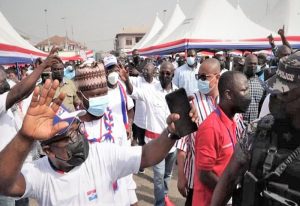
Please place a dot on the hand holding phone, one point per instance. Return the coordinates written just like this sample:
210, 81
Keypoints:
178, 102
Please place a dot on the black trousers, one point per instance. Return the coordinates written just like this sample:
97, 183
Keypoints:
189, 197
138, 134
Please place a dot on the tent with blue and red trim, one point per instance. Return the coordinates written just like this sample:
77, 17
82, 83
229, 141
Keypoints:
13, 48
156, 27
216, 25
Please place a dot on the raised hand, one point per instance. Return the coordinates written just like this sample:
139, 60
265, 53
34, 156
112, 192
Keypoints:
270, 38
123, 74
38, 122
52, 58
281, 31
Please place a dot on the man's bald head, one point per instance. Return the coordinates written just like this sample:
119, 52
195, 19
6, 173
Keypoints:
210, 66
191, 52
167, 65
166, 74
251, 62
250, 58
148, 72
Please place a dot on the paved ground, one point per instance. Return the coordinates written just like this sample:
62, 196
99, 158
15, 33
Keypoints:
145, 189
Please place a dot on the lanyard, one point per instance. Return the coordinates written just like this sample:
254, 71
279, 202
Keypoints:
229, 133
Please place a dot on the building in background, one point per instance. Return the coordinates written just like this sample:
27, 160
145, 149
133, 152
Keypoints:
127, 38
62, 42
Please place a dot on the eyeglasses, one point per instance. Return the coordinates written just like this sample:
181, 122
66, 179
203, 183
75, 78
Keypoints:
203, 77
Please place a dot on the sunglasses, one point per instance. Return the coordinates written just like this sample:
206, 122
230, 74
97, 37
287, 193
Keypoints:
203, 77
78, 128
165, 73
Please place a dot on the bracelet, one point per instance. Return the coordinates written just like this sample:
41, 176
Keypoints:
171, 135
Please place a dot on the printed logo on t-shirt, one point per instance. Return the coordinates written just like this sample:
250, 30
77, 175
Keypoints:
92, 195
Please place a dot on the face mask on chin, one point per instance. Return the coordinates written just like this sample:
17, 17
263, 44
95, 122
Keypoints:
4, 87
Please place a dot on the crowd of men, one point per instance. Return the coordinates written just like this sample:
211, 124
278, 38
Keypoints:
74, 134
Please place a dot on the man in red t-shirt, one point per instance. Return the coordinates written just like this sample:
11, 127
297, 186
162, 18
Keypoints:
216, 136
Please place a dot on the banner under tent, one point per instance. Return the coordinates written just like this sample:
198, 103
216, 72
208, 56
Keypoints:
214, 30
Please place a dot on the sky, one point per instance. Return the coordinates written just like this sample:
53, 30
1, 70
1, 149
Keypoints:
95, 23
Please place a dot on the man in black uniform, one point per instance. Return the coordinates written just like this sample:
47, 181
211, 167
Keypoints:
264, 169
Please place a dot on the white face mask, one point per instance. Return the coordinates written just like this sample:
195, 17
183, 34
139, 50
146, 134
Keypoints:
113, 78
190, 61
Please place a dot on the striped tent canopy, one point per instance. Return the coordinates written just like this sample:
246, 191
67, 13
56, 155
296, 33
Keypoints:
13, 48
216, 25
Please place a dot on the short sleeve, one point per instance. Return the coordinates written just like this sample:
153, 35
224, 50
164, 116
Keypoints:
130, 103
206, 153
3, 98
139, 94
30, 173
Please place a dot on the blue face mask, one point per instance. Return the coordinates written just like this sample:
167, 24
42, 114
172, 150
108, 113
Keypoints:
69, 74
98, 105
203, 86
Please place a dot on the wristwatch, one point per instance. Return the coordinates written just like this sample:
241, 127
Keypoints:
171, 135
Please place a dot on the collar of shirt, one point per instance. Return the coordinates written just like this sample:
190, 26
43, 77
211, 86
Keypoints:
229, 123
165, 91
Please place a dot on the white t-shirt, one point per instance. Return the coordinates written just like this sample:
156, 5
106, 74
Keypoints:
8, 125
140, 107
110, 129
117, 101
87, 184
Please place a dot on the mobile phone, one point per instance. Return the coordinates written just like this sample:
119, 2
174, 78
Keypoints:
178, 102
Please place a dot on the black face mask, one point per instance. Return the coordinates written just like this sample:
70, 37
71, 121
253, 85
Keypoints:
277, 108
4, 87
58, 74
243, 103
223, 65
136, 60
78, 151
165, 81
250, 72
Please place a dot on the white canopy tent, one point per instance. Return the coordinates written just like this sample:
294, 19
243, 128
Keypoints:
214, 24
13, 48
157, 25
285, 13
176, 18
